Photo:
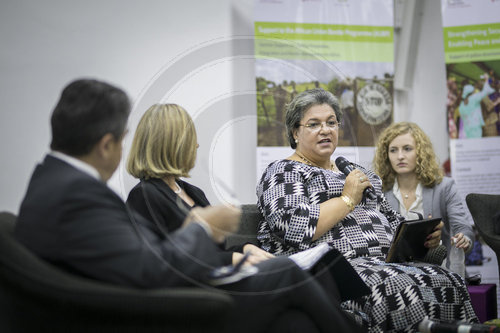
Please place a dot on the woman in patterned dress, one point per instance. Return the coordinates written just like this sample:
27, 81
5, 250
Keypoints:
305, 201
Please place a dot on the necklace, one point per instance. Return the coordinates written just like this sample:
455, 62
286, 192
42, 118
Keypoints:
167, 179
407, 195
306, 161
178, 188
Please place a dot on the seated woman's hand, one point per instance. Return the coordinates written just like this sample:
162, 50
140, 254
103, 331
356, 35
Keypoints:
434, 237
461, 241
355, 184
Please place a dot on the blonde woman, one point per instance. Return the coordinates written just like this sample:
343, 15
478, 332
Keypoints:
163, 151
413, 182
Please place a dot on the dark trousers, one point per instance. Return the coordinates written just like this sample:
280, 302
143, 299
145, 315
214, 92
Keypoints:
281, 297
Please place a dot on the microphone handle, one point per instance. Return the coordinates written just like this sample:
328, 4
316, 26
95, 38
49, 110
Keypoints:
346, 168
369, 192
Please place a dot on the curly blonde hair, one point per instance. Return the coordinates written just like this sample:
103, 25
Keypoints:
428, 170
164, 143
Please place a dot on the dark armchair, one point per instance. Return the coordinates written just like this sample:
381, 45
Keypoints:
247, 232
36, 296
482, 208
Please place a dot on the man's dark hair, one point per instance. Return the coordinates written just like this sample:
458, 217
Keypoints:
87, 110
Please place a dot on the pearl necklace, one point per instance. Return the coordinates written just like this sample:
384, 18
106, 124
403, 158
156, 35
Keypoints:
306, 161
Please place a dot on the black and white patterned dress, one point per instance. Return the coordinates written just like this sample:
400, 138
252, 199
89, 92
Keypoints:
289, 195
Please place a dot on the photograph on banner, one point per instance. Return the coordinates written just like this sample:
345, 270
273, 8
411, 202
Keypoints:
364, 90
473, 101
472, 56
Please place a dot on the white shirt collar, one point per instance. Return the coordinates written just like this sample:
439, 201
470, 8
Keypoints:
78, 164
417, 206
418, 190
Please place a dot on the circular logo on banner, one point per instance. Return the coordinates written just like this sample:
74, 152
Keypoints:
374, 103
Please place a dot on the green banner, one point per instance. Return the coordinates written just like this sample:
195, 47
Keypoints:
324, 41
472, 43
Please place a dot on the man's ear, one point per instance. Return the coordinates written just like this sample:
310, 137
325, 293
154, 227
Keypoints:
105, 145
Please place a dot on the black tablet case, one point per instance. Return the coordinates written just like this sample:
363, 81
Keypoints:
408, 242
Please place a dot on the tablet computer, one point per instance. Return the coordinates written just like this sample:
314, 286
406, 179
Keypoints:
409, 238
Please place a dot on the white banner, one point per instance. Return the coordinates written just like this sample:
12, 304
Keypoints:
345, 47
471, 34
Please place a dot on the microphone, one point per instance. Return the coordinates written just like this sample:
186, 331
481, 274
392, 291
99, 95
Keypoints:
346, 167
429, 326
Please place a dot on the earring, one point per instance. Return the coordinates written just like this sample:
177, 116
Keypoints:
296, 141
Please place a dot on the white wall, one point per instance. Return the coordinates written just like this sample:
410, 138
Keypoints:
46, 44
193, 52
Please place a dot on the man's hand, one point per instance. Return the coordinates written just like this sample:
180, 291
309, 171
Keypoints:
256, 255
222, 220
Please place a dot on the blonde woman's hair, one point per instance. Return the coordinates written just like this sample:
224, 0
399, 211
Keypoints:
164, 143
427, 169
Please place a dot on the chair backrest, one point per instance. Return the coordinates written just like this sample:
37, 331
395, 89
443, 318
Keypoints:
482, 208
36, 296
247, 232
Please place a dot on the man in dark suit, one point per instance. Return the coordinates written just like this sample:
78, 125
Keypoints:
71, 218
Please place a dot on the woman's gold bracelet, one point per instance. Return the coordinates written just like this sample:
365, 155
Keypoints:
348, 202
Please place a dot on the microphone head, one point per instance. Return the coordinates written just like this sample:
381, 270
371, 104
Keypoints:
343, 164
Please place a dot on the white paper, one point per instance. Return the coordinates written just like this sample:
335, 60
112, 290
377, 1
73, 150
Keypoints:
306, 259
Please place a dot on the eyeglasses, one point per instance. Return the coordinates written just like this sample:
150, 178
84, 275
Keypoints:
316, 125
